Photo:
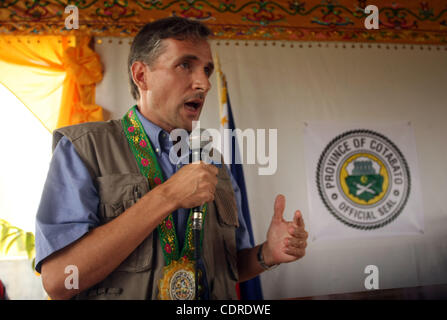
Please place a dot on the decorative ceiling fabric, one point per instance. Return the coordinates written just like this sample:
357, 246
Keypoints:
401, 21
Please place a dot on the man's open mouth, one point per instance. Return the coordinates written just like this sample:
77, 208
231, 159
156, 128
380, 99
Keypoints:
193, 105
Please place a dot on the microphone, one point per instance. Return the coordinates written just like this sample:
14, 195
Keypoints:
197, 144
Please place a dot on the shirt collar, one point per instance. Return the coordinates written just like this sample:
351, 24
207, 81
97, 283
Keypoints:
159, 138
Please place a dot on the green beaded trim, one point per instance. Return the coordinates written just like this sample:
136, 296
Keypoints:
147, 163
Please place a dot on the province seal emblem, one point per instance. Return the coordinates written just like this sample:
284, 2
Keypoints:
363, 179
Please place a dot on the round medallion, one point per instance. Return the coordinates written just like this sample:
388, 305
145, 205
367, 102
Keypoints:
178, 281
182, 285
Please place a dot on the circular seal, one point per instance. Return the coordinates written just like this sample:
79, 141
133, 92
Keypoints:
182, 285
363, 179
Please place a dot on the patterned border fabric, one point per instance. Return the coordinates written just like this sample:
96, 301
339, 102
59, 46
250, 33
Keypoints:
421, 22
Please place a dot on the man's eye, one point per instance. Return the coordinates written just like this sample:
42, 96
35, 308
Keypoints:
208, 71
185, 65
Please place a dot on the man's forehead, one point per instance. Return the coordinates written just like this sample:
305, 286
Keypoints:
190, 47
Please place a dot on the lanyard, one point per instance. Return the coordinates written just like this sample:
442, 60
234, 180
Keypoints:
147, 163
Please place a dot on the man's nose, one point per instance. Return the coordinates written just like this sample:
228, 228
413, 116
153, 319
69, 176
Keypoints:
201, 82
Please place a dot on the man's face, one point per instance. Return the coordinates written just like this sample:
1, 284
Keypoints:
178, 82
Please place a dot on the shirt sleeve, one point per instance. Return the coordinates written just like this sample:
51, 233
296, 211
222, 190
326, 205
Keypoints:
242, 233
69, 203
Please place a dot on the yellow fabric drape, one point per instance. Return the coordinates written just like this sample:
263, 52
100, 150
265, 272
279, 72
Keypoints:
54, 77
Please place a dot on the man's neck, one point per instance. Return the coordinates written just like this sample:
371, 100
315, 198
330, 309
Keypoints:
152, 118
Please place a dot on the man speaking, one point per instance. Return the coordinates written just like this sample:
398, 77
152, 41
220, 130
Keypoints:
117, 209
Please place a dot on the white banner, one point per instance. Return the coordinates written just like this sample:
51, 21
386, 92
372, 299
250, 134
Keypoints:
362, 180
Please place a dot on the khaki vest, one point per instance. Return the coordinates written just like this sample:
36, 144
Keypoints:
104, 149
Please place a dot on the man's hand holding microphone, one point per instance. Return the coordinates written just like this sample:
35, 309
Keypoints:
192, 185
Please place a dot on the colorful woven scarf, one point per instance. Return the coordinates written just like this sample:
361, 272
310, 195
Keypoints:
147, 163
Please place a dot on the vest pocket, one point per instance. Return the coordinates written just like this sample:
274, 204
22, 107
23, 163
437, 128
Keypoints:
117, 193
106, 293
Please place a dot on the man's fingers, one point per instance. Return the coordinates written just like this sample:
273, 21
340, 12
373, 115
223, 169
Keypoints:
280, 204
210, 197
197, 183
295, 252
296, 243
212, 168
298, 218
299, 233
209, 167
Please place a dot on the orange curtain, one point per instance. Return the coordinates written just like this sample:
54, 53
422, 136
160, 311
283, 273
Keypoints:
54, 77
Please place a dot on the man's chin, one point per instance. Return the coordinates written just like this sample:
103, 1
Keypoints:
190, 124
185, 126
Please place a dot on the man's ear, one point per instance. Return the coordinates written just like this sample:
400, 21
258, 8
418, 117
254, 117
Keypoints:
140, 78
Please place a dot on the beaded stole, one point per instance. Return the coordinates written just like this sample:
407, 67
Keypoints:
177, 282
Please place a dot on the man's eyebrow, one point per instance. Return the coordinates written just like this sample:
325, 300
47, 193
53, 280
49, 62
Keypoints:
188, 57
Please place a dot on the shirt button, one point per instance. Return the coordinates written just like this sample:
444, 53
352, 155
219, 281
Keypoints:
157, 150
178, 166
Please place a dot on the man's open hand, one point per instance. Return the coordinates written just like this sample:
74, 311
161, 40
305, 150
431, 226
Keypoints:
286, 240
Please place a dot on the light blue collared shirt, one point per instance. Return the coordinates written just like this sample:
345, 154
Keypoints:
69, 203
